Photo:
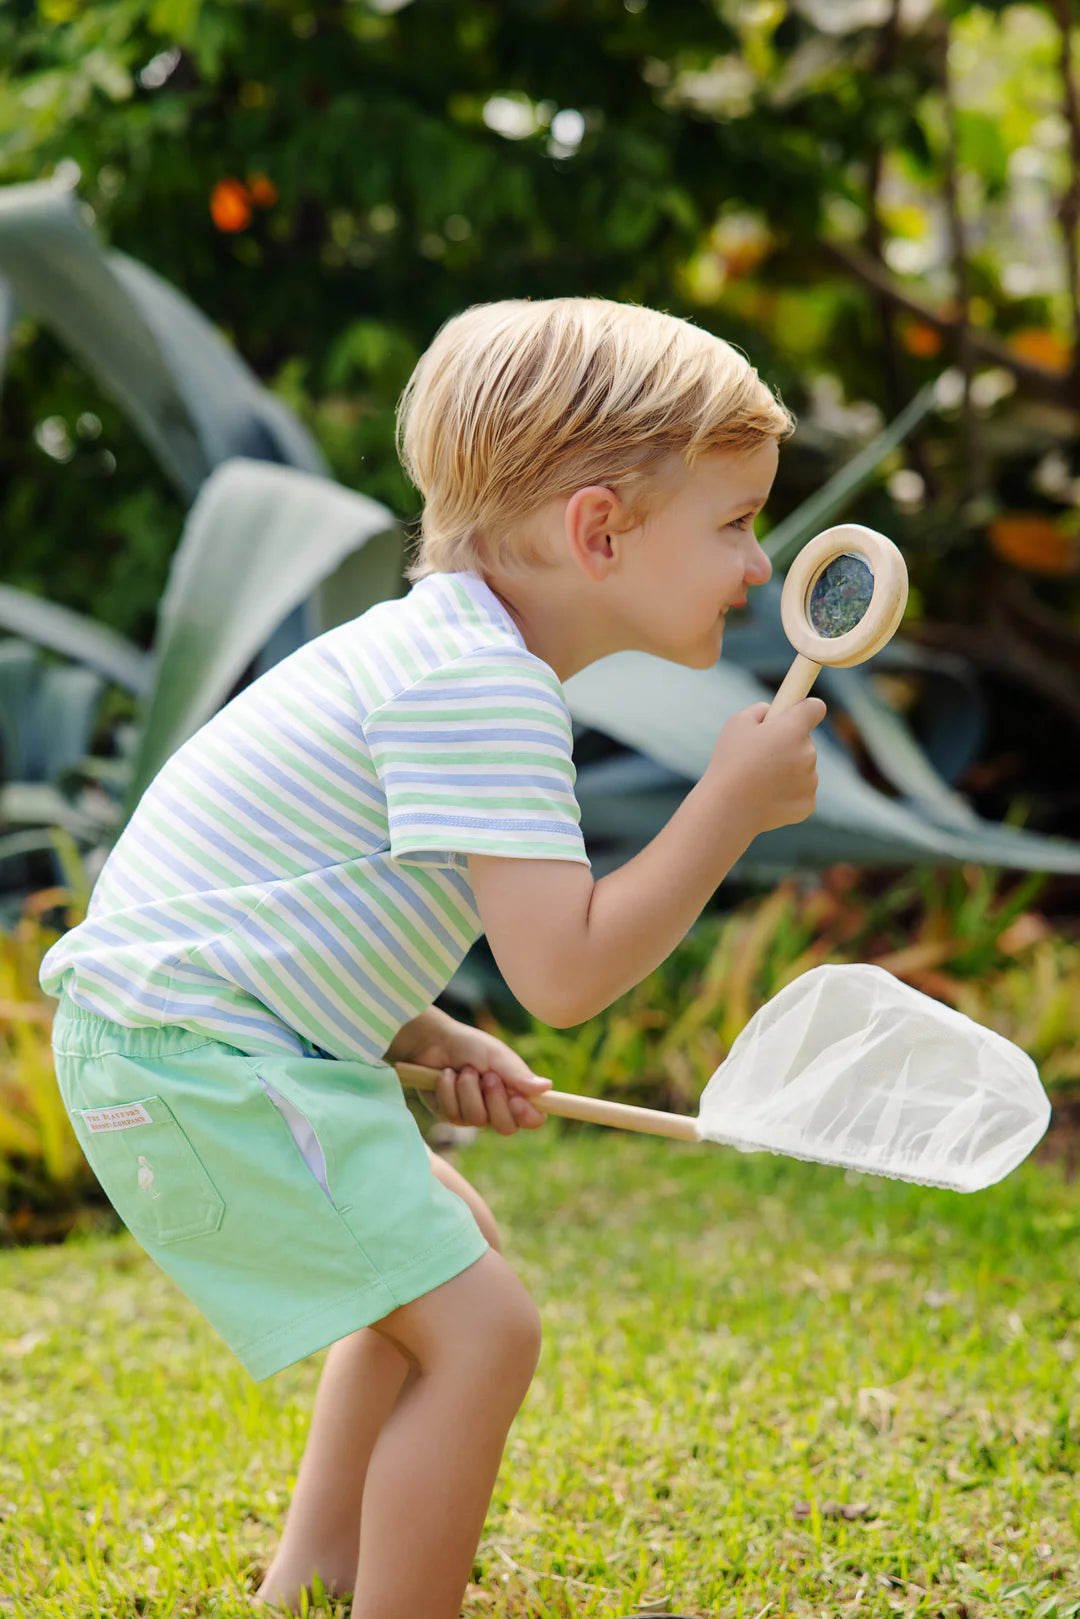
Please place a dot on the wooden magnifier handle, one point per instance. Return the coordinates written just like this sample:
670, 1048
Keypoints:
590, 1109
795, 686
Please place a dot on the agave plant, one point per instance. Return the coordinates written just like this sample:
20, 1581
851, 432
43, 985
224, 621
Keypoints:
274, 551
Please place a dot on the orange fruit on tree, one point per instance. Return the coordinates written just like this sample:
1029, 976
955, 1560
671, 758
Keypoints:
262, 190
921, 339
230, 207
1035, 542
1041, 347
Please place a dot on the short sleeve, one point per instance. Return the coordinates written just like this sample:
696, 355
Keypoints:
475, 758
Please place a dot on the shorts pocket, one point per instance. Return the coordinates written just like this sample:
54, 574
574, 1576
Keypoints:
149, 1170
303, 1133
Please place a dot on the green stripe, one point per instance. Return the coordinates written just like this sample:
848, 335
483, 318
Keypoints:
389, 976
390, 911
407, 798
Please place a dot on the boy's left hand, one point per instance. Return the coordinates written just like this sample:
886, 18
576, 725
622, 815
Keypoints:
482, 1080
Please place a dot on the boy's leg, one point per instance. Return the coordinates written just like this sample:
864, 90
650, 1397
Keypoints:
363, 1376
474, 1343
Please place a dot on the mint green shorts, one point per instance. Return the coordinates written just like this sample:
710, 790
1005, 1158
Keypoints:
291, 1199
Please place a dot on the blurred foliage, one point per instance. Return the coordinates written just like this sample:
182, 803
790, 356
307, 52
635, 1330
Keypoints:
964, 936
861, 194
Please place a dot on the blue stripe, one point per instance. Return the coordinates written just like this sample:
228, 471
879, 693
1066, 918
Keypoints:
514, 689
265, 765
315, 929
413, 901
434, 777
416, 734
379, 928
274, 949
281, 831
347, 776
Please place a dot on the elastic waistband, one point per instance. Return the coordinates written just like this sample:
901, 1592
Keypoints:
80, 1033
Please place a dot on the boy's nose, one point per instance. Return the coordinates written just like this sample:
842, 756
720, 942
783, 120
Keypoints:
759, 568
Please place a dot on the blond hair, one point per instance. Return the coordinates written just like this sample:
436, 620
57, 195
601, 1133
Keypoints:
517, 402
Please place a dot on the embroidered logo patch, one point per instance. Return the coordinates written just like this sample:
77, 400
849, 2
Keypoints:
116, 1118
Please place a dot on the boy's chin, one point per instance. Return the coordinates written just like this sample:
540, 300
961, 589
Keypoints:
705, 654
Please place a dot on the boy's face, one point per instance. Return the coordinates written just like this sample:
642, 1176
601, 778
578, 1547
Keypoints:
696, 556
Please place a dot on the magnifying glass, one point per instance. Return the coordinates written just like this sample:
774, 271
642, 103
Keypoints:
844, 597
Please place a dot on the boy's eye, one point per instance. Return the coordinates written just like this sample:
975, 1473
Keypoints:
744, 521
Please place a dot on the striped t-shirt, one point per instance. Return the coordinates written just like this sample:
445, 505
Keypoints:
297, 868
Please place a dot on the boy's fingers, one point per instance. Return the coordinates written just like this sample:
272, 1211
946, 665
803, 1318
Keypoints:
810, 712
528, 1084
527, 1116
498, 1105
446, 1093
470, 1098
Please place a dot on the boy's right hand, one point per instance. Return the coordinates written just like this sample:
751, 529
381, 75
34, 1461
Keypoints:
769, 772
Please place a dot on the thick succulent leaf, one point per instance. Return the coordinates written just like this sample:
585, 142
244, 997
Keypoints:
68, 702
189, 395
258, 541
17, 845
674, 716
82, 639
56, 268
35, 803
892, 747
47, 714
233, 413
19, 674
7, 321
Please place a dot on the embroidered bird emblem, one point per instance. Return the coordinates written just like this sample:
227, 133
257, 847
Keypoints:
146, 1177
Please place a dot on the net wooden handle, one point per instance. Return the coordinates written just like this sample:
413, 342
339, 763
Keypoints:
589, 1109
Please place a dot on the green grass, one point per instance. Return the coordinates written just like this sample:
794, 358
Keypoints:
735, 1348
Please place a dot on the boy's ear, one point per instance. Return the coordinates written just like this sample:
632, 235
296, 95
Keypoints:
592, 521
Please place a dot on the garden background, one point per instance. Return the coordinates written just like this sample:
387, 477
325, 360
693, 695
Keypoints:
227, 231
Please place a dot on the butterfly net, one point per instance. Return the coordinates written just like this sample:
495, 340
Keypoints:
849, 1066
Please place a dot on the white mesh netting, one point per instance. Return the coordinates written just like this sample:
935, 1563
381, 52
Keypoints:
849, 1066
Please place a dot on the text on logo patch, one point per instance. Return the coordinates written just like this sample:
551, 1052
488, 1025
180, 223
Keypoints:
116, 1118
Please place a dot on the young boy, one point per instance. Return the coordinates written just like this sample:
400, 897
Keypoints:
306, 873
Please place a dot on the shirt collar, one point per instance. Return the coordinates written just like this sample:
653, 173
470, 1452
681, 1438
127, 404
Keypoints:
486, 600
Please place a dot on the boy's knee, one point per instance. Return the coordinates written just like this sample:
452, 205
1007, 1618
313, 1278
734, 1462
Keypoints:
517, 1341
510, 1341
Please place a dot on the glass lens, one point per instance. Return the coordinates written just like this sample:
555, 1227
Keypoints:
840, 595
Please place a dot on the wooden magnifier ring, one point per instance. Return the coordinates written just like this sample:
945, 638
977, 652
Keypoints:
881, 619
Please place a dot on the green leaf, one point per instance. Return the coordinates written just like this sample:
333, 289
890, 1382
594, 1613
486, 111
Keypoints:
258, 541
57, 270
893, 749
185, 390
77, 637
232, 411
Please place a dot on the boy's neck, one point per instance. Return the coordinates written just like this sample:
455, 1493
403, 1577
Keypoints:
558, 624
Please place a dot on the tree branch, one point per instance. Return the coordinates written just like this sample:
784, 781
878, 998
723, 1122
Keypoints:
1051, 387
1069, 206
896, 382
969, 446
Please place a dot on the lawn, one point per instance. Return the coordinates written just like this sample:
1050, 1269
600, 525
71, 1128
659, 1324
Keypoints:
766, 1389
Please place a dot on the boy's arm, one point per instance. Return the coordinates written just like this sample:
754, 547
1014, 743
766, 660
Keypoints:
568, 946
